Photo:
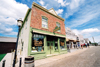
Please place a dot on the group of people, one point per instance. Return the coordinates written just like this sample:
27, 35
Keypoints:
85, 45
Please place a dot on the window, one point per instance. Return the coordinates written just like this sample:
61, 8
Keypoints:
62, 44
56, 46
58, 24
37, 43
44, 22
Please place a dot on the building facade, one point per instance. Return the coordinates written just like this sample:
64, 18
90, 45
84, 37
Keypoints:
42, 33
71, 39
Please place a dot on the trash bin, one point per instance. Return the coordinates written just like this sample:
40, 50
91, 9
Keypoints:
29, 61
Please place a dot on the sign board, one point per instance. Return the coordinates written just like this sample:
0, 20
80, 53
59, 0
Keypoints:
56, 29
38, 43
62, 43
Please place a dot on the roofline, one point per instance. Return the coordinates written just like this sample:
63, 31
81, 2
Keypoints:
44, 9
27, 13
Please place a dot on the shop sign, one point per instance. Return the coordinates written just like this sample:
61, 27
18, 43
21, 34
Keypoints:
56, 29
62, 43
38, 43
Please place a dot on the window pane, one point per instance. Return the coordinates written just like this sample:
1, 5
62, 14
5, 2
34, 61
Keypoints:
38, 43
44, 22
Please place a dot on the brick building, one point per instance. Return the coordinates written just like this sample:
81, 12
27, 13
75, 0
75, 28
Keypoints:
42, 33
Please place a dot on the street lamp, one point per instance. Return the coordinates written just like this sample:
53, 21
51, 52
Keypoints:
19, 23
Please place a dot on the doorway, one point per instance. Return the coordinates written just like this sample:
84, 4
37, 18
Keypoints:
49, 47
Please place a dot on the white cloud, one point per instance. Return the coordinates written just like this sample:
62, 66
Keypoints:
41, 2
60, 11
63, 3
9, 13
91, 30
73, 7
88, 33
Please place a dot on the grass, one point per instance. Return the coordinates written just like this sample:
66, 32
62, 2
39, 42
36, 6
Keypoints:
2, 56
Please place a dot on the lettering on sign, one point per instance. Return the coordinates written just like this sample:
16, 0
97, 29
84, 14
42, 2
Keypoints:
62, 43
38, 43
56, 29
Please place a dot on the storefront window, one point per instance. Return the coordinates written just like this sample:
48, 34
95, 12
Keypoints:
62, 44
37, 43
56, 46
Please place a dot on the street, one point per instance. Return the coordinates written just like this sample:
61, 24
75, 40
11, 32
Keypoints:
87, 58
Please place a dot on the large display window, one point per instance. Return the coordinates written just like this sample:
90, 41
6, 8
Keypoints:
37, 43
62, 44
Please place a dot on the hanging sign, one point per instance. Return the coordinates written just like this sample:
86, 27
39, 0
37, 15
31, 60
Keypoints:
56, 29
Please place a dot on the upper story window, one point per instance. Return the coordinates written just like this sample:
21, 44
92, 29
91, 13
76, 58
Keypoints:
58, 24
44, 22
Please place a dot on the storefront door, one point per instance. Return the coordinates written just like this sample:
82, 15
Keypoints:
49, 47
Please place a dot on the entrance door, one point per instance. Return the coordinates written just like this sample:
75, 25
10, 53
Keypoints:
49, 47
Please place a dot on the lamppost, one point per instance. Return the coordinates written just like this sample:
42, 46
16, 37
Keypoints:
19, 23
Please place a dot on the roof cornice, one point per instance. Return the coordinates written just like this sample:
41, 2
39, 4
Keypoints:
44, 9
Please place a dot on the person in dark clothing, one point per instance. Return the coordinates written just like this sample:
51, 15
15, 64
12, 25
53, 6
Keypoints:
88, 44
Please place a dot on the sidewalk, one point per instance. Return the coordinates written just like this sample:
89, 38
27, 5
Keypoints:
58, 57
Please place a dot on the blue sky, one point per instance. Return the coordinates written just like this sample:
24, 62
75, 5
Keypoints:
81, 16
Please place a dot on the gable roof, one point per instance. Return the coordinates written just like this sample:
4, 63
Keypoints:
52, 11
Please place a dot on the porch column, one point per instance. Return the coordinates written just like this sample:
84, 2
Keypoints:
59, 44
45, 43
65, 43
30, 43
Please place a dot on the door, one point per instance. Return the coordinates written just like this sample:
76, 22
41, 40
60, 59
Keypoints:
49, 47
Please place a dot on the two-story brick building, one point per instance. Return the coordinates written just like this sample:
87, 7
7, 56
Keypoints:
42, 33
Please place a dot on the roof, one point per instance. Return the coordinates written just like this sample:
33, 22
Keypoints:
7, 39
44, 9
52, 11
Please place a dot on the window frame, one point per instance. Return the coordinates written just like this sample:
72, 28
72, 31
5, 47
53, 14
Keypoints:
60, 26
47, 22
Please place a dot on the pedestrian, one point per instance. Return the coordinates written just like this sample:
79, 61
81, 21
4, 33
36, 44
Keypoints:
82, 46
88, 45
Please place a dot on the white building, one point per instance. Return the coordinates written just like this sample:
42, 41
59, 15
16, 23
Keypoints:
81, 39
70, 38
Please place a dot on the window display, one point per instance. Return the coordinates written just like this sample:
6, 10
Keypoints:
56, 46
62, 44
37, 43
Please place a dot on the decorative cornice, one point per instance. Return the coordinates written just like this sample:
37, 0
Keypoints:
42, 8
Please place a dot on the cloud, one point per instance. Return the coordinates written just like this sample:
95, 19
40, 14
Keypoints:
88, 33
41, 2
63, 3
91, 30
60, 11
83, 13
9, 13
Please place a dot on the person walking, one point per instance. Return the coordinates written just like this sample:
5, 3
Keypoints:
88, 45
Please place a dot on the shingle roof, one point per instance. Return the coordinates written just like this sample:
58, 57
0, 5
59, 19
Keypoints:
7, 39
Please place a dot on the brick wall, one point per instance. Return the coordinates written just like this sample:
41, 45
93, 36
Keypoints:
36, 21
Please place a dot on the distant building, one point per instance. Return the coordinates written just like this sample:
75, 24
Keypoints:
99, 43
86, 40
71, 39
81, 39
7, 44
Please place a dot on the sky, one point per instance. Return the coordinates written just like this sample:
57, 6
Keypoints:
81, 16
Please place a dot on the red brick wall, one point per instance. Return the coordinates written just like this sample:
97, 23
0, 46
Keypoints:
36, 21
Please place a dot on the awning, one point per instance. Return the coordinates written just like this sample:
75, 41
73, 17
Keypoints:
67, 39
77, 41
